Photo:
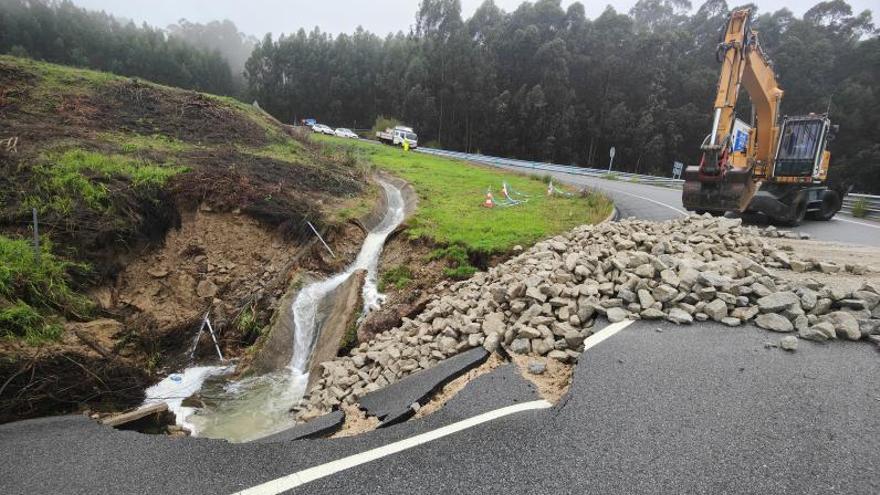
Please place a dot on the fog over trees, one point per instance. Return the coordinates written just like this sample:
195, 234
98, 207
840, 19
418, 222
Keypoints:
541, 82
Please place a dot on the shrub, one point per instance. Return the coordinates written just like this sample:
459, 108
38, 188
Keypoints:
860, 208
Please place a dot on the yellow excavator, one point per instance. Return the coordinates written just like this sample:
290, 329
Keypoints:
771, 166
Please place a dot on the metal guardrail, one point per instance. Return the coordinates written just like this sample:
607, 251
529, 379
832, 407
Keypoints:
553, 167
871, 202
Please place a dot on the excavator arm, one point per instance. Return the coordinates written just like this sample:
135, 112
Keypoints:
743, 63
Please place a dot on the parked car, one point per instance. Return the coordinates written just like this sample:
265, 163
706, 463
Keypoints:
346, 133
323, 129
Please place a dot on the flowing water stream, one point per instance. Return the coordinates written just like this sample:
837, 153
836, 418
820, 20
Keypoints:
254, 407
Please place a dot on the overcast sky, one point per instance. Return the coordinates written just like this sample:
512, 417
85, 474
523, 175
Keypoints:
258, 17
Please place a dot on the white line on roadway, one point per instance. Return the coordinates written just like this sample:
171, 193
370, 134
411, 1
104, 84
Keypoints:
680, 212
302, 477
299, 478
857, 223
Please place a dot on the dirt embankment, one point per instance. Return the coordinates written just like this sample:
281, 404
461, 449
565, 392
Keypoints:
180, 203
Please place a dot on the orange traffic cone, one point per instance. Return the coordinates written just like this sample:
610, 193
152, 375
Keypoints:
489, 203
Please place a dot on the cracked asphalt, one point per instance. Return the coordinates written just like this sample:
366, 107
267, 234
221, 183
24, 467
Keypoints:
699, 409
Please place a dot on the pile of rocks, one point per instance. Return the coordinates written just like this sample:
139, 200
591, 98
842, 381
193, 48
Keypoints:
545, 300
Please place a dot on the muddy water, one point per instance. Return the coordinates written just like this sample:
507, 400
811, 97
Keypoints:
255, 407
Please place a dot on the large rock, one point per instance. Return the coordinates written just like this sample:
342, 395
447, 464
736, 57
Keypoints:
616, 314
777, 302
207, 289
520, 346
716, 309
494, 323
845, 325
679, 316
774, 322
819, 332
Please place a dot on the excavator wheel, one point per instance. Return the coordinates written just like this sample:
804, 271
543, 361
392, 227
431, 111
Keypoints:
830, 206
798, 212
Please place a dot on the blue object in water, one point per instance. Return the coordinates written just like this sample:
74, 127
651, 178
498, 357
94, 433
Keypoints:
175, 377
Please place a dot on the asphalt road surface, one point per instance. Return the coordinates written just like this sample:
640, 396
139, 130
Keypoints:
700, 409
663, 203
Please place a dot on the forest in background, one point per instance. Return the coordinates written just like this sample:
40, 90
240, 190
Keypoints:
204, 57
541, 82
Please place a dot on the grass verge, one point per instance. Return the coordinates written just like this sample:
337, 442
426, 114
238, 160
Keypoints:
451, 194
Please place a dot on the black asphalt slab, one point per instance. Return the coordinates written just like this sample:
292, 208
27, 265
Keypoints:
393, 404
699, 409
319, 427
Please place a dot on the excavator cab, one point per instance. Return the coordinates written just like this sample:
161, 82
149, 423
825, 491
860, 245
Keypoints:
801, 148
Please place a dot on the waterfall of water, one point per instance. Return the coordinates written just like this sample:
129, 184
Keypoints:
258, 406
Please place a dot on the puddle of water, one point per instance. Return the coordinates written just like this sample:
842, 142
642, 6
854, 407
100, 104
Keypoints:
255, 407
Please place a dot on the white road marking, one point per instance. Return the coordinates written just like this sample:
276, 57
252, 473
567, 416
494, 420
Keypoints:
608, 331
863, 224
679, 211
299, 478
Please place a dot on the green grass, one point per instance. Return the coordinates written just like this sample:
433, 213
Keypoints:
451, 193
457, 256
21, 321
40, 289
398, 277
63, 179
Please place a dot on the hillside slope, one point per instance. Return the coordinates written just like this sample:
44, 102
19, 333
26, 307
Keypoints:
155, 205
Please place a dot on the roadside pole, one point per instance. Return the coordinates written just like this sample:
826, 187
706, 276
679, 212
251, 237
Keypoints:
36, 238
611, 161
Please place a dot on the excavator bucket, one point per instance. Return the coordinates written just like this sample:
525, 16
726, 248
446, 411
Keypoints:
730, 191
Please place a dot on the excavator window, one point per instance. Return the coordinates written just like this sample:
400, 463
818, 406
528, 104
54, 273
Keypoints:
798, 148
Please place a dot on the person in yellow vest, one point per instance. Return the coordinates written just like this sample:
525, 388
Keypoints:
405, 144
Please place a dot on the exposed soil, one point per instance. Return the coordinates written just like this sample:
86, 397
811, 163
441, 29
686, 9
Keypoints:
62, 376
356, 422
553, 383
219, 262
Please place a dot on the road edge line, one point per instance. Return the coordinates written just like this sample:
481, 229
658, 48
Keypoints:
299, 478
